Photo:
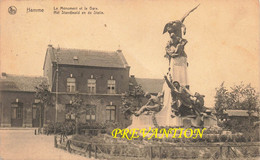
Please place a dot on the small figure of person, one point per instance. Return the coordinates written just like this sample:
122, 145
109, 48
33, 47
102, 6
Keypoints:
175, 49
199, 103
153, 104
180, 95
179, 51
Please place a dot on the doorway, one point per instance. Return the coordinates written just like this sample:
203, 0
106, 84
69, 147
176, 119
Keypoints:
17, 114
37, 115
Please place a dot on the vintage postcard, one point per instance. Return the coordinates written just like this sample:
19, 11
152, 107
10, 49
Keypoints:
166, 79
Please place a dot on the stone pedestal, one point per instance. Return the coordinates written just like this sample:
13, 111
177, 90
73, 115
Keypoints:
142, 121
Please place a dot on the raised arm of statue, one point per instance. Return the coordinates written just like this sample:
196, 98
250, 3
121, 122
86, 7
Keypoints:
187, 91
170, 85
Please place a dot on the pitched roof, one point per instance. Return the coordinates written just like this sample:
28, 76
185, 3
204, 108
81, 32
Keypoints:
11, 82
238, 113
150, 85
94, 58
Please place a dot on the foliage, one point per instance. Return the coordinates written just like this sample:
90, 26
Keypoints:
43, 93
76, 106
140, 149
132, 100
65, 128
240, 96
106, 127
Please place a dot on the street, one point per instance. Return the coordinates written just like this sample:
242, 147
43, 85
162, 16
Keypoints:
24, 145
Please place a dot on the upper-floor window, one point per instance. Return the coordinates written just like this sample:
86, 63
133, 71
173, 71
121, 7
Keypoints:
71, 84
91, 113
91, 86
111, 86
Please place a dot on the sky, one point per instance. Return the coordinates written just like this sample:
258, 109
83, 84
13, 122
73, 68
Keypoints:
223, 37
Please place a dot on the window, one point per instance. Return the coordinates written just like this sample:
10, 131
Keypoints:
110, 113
69, 116
91, 86
111, 86
71, 84
17, 111
91, 113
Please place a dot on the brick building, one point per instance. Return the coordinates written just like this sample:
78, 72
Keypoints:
99, 77
18, 106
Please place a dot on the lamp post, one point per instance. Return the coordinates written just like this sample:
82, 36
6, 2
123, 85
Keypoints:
57, 83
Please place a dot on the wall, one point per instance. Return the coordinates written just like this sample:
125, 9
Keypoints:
100, 101
82, 74
7, 98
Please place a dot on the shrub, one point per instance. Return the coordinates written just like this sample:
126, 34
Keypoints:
66, 128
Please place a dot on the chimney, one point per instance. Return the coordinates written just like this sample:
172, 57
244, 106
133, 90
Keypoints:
3, 75
119, 51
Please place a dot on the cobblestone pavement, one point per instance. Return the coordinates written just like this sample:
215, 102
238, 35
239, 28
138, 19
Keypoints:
24, 145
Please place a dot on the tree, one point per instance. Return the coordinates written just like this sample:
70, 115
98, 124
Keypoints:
44, 95
243, 97
132, 100
238, 97
76, 108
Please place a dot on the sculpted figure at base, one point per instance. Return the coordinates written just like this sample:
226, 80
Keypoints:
153, 104
180, 94
184, 101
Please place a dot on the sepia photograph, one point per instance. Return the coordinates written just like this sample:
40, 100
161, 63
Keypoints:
134, 80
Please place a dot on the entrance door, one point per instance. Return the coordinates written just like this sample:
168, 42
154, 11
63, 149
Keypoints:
17, 115
37, 115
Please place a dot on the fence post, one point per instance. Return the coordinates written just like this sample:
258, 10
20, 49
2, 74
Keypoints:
89, 150
68, 146
228, 151
55, 141
151, 153
160, 152
220, 152
60, 138
35, 132
95, 151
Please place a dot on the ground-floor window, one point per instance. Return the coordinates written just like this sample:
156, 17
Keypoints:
90, 113
69, 116
110, 113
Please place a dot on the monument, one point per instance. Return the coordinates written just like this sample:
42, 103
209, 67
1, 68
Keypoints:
175, 106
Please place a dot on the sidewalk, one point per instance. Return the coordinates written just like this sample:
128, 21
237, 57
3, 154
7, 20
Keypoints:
24, 145
17, 128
